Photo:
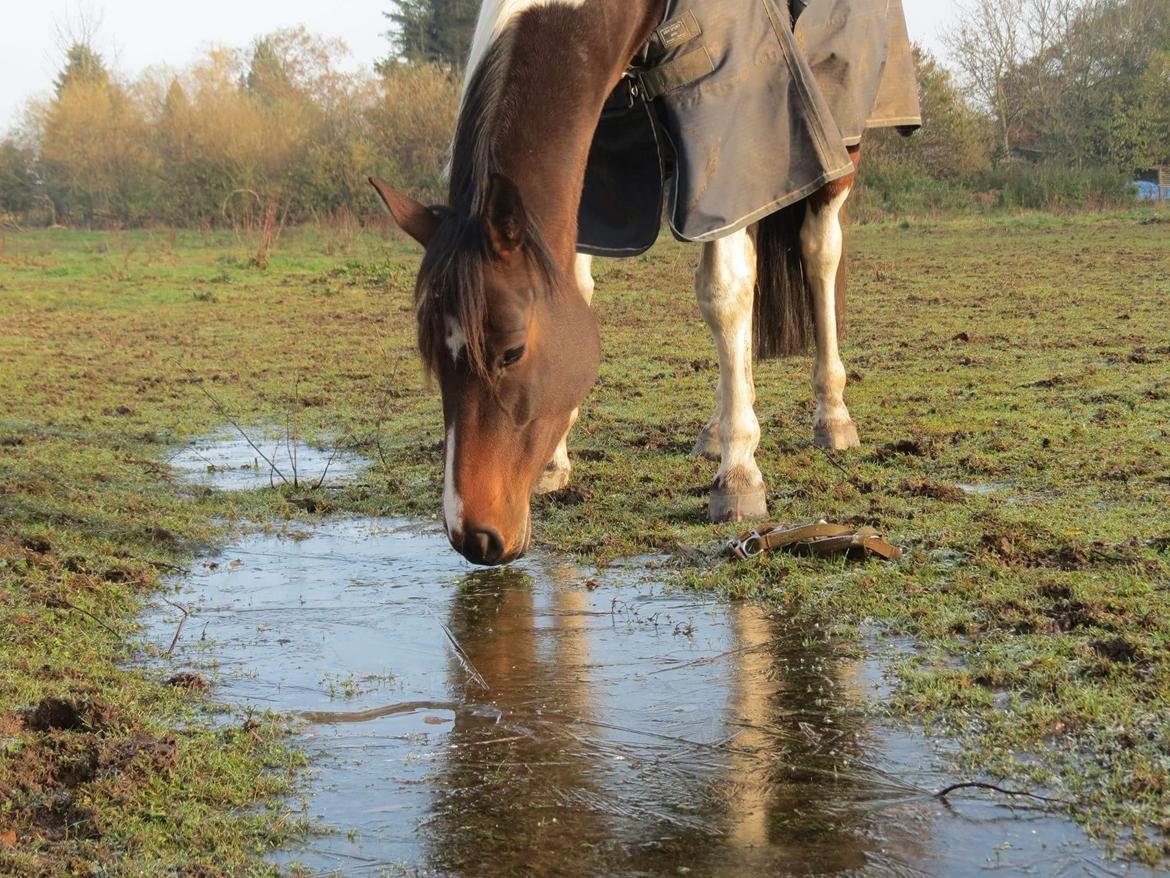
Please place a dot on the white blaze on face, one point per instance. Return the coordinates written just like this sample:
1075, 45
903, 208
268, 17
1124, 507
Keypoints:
452, 503
456, 338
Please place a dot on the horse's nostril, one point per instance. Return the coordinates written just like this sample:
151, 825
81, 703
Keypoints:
483, 546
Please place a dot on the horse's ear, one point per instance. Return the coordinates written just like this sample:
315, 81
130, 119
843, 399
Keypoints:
417, 220
507, 223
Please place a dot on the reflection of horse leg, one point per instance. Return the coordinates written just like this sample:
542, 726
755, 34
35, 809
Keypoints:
724, 283
821, 248
556, 471
752, 698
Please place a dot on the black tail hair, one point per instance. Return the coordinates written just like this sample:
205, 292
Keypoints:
782, 316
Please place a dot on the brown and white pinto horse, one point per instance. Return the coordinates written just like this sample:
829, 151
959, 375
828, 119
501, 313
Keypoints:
503, 298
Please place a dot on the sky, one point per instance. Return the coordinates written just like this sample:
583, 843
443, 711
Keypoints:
136, 34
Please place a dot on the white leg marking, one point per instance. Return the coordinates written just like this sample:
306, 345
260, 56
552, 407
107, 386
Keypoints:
707, 445
456, 337
821, 248
583, 272
724, 283
556, 471
452, 503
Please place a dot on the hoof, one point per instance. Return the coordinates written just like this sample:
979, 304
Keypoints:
835, 435
552, 479
748, 504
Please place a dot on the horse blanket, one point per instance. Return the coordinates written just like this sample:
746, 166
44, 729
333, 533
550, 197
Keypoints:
737, 108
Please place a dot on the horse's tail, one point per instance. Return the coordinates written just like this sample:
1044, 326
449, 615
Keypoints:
782, 314
782, 317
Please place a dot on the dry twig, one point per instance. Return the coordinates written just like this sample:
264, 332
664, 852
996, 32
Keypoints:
182, 622
980, 785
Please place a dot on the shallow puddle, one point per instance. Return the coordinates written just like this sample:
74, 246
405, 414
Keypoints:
267, 457
550, 720
982, 488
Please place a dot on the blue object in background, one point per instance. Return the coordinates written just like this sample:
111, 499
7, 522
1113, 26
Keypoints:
1147, 191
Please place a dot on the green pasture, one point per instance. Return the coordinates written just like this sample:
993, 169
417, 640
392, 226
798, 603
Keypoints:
1010, 378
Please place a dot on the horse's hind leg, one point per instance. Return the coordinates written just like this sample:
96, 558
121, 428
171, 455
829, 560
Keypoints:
821, 244
724, 283
556, 471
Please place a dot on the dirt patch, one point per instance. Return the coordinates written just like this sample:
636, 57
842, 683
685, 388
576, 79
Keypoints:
590, 454
934, 490
1054, 381
573, 495
189, 680
1117, 650
56, 714
1023, 544
913, 447
143, 752
65, 715
656, 439
1017, 550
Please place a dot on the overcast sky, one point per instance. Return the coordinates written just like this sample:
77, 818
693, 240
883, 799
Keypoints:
135, 34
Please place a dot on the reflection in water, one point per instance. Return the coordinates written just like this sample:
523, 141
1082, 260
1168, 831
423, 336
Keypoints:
570, 759
531, 721
501, 791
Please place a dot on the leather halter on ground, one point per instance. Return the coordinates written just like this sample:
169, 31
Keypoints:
820, 538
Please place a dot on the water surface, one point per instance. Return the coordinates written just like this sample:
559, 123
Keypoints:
268, 456
550, 720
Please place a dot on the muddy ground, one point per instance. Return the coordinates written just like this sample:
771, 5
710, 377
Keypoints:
1010, 378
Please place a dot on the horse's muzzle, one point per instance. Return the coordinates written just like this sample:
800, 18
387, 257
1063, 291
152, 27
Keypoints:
485, 546
482, 546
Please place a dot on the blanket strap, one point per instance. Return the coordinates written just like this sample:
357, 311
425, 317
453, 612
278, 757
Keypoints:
681, 70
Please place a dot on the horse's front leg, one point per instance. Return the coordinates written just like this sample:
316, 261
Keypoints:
821, 244
724, 283
556, 471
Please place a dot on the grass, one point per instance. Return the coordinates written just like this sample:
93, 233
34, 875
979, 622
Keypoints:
1028, 355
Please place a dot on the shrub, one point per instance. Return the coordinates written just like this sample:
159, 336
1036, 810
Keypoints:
412, 120
1057, 187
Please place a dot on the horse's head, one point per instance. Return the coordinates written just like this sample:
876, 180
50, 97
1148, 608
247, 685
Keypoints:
515, 349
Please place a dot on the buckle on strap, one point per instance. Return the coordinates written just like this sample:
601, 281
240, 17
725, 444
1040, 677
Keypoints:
748, 546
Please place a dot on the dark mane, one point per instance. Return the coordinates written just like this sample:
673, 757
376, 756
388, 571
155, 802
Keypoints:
450, 280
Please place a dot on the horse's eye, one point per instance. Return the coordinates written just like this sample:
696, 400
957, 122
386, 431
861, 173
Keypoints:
511, 356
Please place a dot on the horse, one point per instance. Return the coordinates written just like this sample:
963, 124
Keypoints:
503, 297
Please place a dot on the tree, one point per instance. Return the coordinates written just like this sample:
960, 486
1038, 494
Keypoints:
82, 64
994, 41
18, 183
1139, 135
267, 77
434, 31
1071, 81
1108, 64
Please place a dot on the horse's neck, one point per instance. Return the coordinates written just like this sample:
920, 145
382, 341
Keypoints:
564, 60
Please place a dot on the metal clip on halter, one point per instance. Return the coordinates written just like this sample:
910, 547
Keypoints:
747, 546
